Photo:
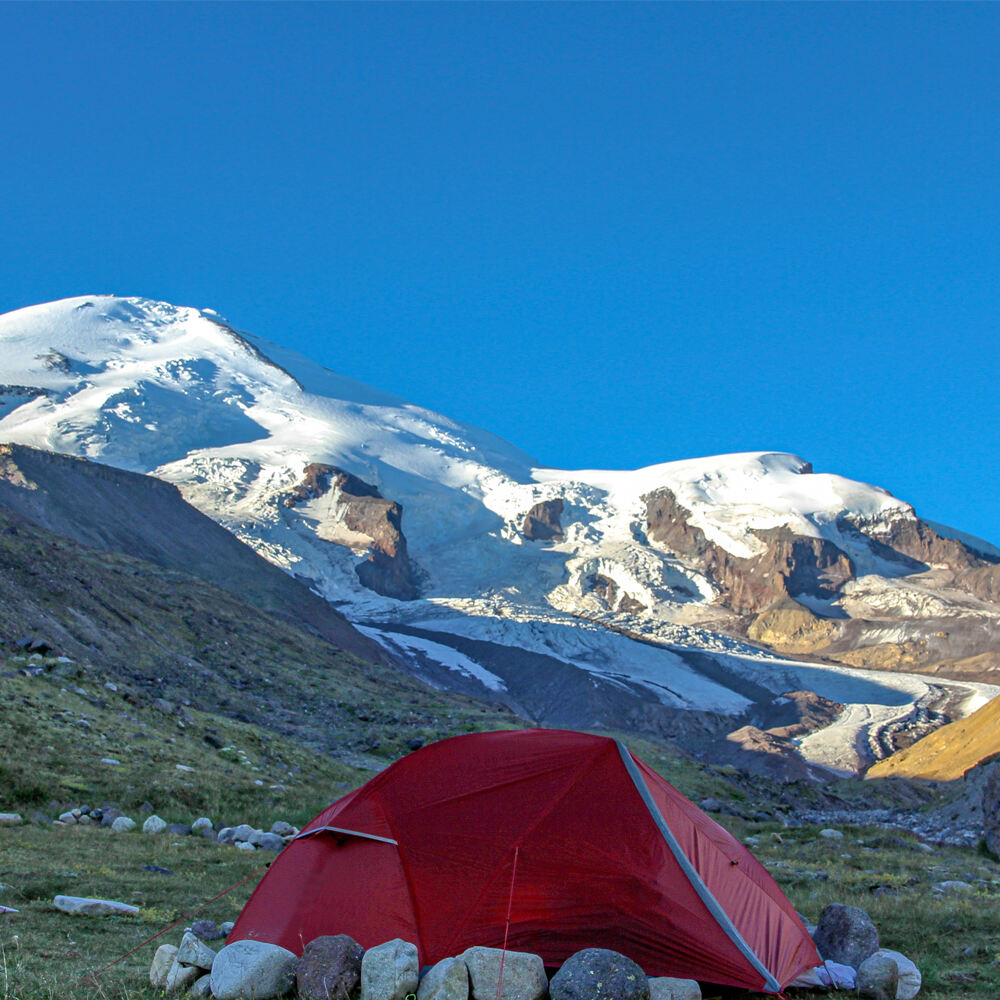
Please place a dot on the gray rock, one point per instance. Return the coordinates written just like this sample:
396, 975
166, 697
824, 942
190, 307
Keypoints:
710, 805
67, 817
109, 815
181, 977
226, 835
523, 974
243, 832
254, 837
283, 829
10, 819
122, 824
389, 971
253, 969
244, 845
952, 886
226, 928
878, 978
202, 825
82, 906
845, 934
831, 834
178, 829
162, 962
271, 842
668, 988
194, 951
154, 825
599, 974
330, 968
910, 979
202, 988
206, 930
448, 980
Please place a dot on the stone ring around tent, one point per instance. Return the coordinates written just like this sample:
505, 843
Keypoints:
569, 835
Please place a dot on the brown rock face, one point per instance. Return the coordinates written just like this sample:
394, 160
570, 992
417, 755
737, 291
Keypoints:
791, 628
607, 590
791, 564
982, 582
911, 537
542, 522
387, 569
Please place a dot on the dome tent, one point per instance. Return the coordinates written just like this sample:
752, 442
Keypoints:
581, 842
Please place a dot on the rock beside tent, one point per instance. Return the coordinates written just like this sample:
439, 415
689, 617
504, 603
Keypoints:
336, 967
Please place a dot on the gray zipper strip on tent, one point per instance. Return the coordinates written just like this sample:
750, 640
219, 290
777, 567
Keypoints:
697, 883
349, 833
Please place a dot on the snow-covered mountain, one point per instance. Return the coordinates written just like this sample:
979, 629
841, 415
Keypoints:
578, 597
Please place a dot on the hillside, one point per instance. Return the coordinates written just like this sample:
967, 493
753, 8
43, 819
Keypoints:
169, 635
948, 752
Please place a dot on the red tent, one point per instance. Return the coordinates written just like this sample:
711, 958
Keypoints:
578, 840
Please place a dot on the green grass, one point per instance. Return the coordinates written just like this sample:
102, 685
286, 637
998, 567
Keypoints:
45, 954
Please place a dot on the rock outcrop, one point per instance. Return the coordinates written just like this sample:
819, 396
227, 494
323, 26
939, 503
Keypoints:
789, 564
543, 522
373, 525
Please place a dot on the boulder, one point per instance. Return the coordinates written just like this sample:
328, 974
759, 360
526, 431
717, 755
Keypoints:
878, 978
10, 819
330, 968
910, 980
270, 842
154, 825
667, 988
67, 817
162, 962
202, 988
108, 815
283, 829
599, 974
122, 824
194, 951
829, 834
389, 971
181, 977
952, 886
206, 930
845, 934
523, 974
243, 832
202, 825
448, 980
80, 905
253, 969
226, 928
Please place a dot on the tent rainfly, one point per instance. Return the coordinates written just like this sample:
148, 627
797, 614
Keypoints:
574, 837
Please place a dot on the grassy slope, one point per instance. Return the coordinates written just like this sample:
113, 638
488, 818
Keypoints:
44, 953
948, 752
162, 633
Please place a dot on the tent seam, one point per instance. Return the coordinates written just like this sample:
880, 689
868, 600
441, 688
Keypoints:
691, 873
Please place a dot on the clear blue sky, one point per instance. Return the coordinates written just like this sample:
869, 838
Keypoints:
613, 234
